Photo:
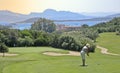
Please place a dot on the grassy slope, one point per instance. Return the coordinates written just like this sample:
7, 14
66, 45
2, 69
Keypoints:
31, 60
110, 41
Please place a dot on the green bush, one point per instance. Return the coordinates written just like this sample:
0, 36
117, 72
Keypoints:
73, 41
39, 41
109, 26
3, 48
117, 31
44, 25
27, 41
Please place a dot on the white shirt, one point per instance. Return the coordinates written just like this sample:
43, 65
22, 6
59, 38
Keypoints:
84, 49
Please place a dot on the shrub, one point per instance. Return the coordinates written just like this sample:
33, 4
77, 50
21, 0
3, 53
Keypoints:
73, 41
118, 32
27, 41
3, 48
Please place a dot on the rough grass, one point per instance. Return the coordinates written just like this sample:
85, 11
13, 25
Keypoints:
110, 41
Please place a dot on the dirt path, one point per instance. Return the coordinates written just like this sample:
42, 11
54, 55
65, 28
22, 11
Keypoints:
7, 54
105, 51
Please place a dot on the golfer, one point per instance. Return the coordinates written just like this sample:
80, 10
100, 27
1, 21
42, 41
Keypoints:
85, 50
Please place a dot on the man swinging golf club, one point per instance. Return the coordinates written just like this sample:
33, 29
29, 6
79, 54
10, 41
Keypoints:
85, 50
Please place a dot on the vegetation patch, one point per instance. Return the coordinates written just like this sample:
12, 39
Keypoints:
110, 41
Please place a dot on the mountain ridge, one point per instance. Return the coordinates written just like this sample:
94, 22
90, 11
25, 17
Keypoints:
11, 17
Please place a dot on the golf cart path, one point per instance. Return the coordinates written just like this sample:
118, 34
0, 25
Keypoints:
105, 51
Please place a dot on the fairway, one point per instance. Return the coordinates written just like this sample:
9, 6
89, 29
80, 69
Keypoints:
32, 60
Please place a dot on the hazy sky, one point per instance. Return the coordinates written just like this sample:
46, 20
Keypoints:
27, 6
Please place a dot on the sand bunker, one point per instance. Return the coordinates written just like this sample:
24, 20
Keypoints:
71, 53
8, 54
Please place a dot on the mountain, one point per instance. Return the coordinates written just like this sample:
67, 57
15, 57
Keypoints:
8, 16
59, 15
98, 14
11, 17
62, 16
114, 15
30, 20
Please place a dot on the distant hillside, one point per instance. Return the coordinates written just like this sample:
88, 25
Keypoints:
31, 20
59, 15
98, 14
111, 26
114, 15
66, 16
11, 17
62, 15
8, 16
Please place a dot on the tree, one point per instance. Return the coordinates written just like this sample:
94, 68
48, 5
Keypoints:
55, 40
117, 31
3, 48
25, 33
9, 37
44, 25
39, 41
42, 40
27, 41
3, 27
90, 33
75, 40
110, 26
84, 26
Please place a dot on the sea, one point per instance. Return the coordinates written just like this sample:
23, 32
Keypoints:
23, 26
